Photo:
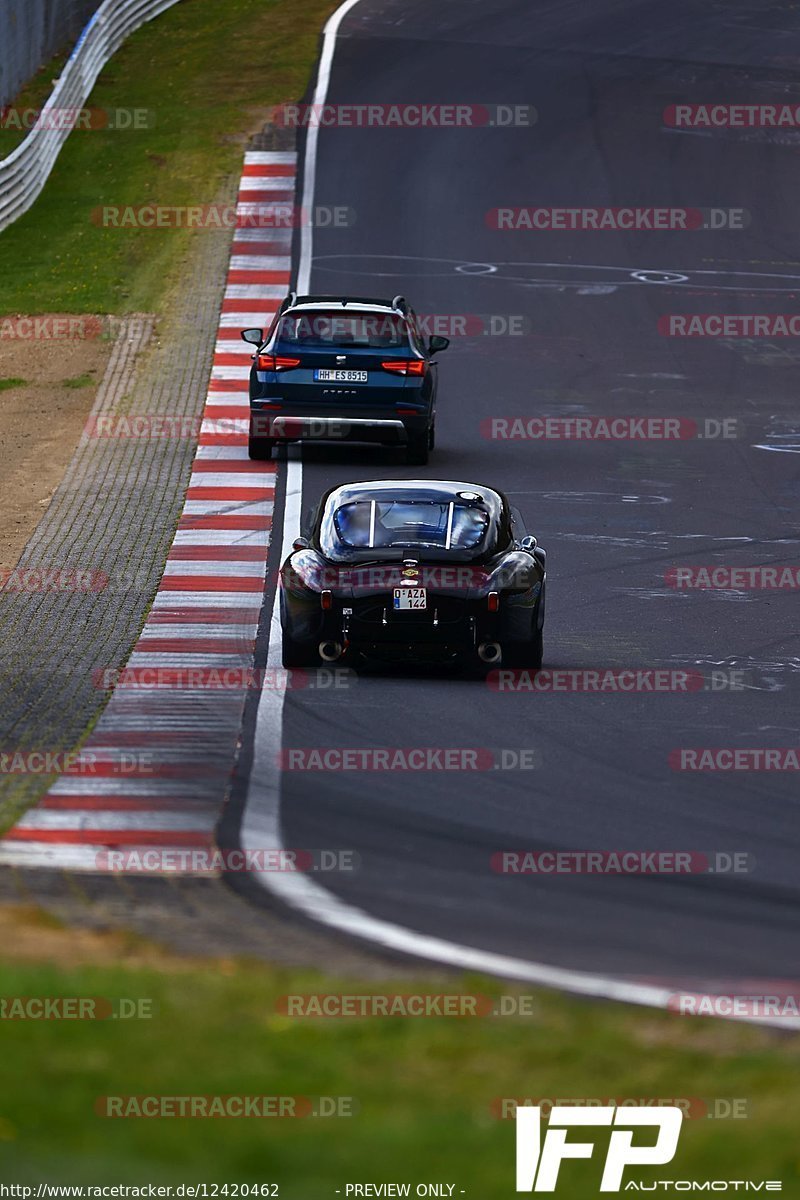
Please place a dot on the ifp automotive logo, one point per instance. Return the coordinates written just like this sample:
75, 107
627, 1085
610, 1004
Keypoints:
539, 1159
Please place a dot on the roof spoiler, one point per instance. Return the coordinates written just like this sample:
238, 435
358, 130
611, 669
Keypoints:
398, 304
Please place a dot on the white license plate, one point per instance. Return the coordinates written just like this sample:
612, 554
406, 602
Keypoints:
407, 598
323, 375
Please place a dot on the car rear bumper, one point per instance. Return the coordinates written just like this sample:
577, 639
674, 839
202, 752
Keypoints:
452, 628
411, 637
418, 653
311, 427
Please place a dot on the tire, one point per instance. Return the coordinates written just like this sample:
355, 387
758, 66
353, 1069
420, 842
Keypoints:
260, 448
298, 654
525, 654
418, 449
432, 437
537, 650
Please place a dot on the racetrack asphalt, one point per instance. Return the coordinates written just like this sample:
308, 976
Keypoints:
614, 516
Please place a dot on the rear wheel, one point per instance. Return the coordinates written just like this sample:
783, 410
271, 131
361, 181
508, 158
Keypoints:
525, 654
298, 654
418, 448
432, 436
260, 447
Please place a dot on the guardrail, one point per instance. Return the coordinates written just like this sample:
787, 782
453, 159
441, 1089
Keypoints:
24, 173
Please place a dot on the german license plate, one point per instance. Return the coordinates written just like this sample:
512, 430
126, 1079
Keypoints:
324, 375
410, 598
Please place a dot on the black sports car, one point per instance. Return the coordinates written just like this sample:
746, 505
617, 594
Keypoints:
414, 570
343, 369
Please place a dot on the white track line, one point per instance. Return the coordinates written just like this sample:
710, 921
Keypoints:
261, 822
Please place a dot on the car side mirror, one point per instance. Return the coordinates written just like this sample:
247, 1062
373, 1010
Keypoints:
301, 543
436, 343
528, 543
254, 336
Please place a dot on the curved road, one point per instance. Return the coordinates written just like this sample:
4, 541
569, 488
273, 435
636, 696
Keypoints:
613, 516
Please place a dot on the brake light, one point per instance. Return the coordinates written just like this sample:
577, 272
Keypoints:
493, 601
277, 362
326, 599
405, 366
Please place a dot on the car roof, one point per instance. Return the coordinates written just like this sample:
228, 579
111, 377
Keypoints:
438, 491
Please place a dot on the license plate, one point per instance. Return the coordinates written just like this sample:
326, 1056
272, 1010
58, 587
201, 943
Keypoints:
408, 598
324, 375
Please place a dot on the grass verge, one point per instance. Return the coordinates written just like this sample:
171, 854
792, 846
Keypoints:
422, 1089
205, 75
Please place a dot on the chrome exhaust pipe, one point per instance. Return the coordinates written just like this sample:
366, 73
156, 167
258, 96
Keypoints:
330, 651
490, 652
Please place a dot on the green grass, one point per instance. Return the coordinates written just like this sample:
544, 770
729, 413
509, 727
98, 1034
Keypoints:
11, 381
206, 72
423, 1088
80, 381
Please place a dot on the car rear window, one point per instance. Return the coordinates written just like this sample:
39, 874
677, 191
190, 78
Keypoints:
383, 524
335, 330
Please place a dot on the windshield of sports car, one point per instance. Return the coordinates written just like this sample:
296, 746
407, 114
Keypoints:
340, 330
410, 524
